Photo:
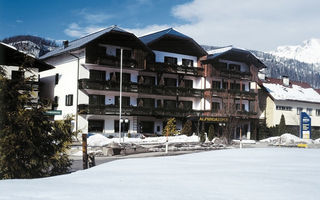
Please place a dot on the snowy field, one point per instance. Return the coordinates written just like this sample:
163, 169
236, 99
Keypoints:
242, 174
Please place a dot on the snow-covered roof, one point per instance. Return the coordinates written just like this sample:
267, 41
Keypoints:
295, 91
75, 44
233, 53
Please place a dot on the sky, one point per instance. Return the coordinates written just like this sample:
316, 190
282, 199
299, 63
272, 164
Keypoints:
251, 24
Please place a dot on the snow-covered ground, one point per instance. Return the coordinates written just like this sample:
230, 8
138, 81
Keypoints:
242, 174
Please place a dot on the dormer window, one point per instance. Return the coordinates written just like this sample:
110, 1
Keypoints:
170, 60
187, 62
234, 67
126, 53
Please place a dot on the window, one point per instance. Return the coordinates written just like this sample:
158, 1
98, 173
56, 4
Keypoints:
95, 125
124, 126
172, 82
225, 85
146, 126
148, 80
285, 108
170, 104
234, 67
56, 100
97, 99
170, 60
187, 105
159, 103
148, 102
235, 86
318, 112
125, 101
69, 100
126, 53
126, 77
17, 75
187, 62
299, 110
309, 111
188, 83
222, 66
216, 84
56, 79
237, 106
158, 128
97, 75
215, 106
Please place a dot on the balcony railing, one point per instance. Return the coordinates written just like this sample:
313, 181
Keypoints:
132, 110
141, 88
235, 74
172, 68
113, 61
170, 91
107, 85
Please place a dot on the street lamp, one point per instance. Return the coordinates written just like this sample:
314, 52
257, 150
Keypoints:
123, 121
120, 95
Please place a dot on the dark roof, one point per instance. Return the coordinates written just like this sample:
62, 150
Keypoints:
169, 35
154, 36
81, 42
10, 56
234, 54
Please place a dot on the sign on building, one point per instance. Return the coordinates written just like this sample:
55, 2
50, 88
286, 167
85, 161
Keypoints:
305, 126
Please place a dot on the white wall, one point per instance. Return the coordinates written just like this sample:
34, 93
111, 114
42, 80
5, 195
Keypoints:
161, 54
66, 66
291, 117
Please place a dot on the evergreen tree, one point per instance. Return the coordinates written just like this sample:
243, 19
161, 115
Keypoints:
30, 145
170, 129
282, 125
211, 132
187, 128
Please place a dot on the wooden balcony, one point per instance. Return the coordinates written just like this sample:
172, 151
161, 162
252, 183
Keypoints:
170, 91
85, 109
235, 74
175, 69
141, 88
113, 61
107, 85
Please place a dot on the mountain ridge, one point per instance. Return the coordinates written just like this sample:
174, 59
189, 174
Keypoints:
277, 66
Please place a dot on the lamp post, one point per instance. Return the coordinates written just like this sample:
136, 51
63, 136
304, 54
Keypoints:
123, 121
120, 95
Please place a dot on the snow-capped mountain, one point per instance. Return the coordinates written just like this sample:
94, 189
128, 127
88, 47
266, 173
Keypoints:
308, 52
279, 66
31, 45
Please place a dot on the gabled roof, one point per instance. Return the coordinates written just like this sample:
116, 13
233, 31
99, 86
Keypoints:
296, 91
81, 42
151, 39
10, 56
234, 54
154, 36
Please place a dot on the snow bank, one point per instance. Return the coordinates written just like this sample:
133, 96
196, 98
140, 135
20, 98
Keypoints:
317, 141
100, 140
286, 139
246, 174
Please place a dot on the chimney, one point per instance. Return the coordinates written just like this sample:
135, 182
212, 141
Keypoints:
285, 80
65, 43
262, 76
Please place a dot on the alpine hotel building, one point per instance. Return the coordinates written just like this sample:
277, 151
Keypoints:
165, 74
